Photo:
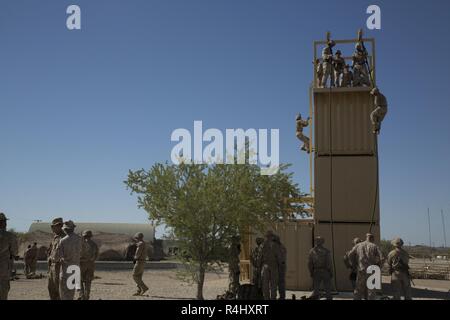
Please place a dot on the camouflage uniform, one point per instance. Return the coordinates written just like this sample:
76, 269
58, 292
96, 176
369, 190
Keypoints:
299, 132
360, 72
319, 72
233, 266
89, 253
320, 268
282, 260
380, 111
339, 65
255, 258
352, 265
69, 250
54, 265
8, 252
27, 260
398, 261
139, 264
347, 77
34, 256
327, 64
365, 254
269, 270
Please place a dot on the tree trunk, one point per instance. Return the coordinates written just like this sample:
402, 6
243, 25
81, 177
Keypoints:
201, 281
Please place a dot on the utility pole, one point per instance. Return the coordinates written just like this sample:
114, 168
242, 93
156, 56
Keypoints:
429, 233
443, 226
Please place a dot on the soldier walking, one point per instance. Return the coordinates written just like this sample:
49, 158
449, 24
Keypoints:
380, 111
365, 254
69, 250
398, 261
320, 268
352, 265
89, 253
269, 270
8, 252
282, 260
54, 266
139, 264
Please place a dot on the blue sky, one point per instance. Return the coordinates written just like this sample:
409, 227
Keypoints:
80, 108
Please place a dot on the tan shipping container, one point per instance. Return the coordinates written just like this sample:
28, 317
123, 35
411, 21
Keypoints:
346, 111
339, 240
354, 189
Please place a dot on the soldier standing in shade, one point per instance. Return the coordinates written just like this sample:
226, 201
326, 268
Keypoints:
365, 254
54, 266
89, 253
27, 261
269, 270
377, 115
34, 257
339, 65
347, 77
282, 260
352, 264
327, 64
398, 261
8, 252
299, 132
233, 265
139, 264
256, 262
320, 268
68, 253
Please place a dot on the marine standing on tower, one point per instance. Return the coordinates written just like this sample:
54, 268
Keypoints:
360, 72
8, 252
89, 253
327, 64
347, 77
338, 65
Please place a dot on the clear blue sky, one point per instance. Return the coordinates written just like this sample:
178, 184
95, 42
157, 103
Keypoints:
80, 108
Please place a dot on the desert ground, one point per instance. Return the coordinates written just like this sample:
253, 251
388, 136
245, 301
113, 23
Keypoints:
164, 284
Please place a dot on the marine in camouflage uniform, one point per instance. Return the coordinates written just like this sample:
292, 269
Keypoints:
34, 257
352, 265
338, 65
8, 252
68, 253
282, 265
300, 124
327, 64
319, 72
54, 265
89, 253
255, 258
320, 268
398, 261
233, 266
347, 77
269, 270
360, 72
139, 264
365, 254
377, 115
27, 261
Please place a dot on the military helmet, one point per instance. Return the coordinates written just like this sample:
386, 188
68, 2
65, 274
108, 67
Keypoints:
319, 240
338, 52
139, 236
299, 116
375, 91
87, 233
397, 242
331, 43
359, 46
3, 217
57, 221
69, 225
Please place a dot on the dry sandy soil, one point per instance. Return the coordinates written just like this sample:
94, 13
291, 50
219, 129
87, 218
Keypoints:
118, 285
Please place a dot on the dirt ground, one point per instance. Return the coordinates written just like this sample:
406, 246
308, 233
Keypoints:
118, 285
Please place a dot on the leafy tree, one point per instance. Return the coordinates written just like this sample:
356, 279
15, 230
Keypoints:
206, 205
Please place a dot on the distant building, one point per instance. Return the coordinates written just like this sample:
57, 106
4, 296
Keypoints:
129, 229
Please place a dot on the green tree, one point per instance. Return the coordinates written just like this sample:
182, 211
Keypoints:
204, 206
